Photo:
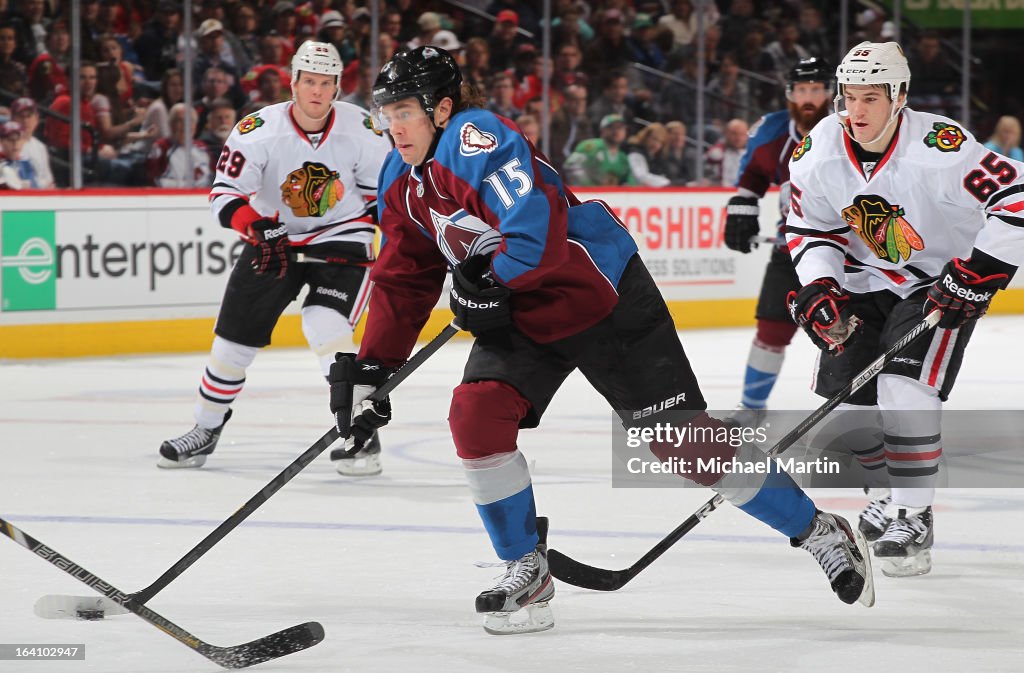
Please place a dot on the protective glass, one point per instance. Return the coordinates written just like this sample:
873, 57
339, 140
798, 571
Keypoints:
403, 112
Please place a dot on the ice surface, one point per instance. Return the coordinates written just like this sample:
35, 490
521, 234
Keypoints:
386, 563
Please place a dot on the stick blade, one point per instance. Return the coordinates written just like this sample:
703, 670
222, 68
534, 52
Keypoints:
54, 606
290, 640
579, 574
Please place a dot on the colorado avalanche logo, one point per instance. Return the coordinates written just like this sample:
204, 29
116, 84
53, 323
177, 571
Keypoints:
474, 141
945, 137
460, 235
883, 228
311, 191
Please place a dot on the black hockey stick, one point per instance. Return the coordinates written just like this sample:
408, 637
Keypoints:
579, 574
55, 607
293, 639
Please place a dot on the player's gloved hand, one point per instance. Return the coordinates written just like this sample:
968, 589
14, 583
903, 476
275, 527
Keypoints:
741, 223
963, 292
818, 308
273, 250
479, 303
352, 382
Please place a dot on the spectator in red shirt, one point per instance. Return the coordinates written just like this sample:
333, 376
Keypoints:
47, 76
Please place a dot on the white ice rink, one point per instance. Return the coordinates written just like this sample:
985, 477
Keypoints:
386, 563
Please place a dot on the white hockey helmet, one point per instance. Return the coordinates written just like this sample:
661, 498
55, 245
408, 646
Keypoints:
875, 63
319, 57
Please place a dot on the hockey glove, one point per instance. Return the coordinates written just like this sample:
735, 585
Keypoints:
818, 308
741, 223
352, 382
273, 249
480, 305
963, 291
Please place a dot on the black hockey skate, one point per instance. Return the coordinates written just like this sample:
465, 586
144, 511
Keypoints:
365, 463
905, 548
873, 520
192, 448
518, 603
842, 553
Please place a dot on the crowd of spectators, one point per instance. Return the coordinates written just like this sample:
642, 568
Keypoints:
624, 78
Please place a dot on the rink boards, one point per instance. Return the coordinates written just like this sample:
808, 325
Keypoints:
142, 271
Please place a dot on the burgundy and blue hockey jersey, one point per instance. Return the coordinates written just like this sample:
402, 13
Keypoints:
486, 186
766, 161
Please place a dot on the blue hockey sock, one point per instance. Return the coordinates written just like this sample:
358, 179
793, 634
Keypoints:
503, 494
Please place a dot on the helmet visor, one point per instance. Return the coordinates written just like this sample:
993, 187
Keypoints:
405, 111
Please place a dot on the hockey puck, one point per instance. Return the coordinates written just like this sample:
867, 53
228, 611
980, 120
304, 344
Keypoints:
90, 615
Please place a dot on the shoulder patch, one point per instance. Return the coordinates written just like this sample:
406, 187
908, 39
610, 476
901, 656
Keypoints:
474, 141
945, 137
369, 125
756, 127
802, 148
250, 124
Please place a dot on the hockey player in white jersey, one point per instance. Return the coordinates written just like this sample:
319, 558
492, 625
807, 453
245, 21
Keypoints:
895, 213
299, 176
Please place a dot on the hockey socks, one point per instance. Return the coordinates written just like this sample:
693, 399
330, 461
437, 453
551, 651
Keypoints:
763, 366
501, 488
222, 381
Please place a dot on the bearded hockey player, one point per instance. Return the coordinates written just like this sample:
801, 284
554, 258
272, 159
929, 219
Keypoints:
294, 176
894, 213
547, 285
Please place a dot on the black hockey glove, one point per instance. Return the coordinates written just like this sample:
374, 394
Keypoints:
818, 308
352, 382
480, 304
273, 250
741, 222
964, 290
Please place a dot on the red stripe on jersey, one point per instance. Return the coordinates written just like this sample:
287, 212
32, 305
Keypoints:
893, 276
1013, 207
906, 457
795, 243
302, 134
933, 375
214, 195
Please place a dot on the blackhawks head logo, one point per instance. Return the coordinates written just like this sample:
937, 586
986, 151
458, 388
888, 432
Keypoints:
945, 137
312, 190
883, 228
249, 124
803, 148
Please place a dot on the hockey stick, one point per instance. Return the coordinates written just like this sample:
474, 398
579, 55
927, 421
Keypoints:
62, 607
293, 639
579, 574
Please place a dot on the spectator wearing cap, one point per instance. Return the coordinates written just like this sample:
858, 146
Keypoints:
333, 29
16, 171
285, 24
212, 46
1005, 138
504, 39
431, 33
500, 93
168, 160
874, 27
157, 45
644, 48
527, 17
602, 161
25, 112
570, 124
47, 76
13, 77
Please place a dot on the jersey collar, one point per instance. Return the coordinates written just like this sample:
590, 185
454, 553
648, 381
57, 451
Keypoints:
304, 135
848, 144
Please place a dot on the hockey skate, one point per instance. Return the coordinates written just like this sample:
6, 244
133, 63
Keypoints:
518, 603
905, 548
192, 448
365, 463
745, 417
842, 553
873, 520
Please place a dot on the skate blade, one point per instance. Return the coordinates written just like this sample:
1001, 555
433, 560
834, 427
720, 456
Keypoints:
867, 595
77, 607
533, 618
194, 461
368, 466
907, 566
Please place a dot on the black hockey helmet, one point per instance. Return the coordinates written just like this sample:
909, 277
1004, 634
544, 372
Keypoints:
812, 69
428, 73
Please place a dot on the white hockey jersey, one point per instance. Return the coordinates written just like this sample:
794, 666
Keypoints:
322, 186
936, 194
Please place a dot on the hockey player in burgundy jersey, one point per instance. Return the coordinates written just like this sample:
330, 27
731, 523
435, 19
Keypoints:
766, 163
895, 212
294, 176
547, 285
